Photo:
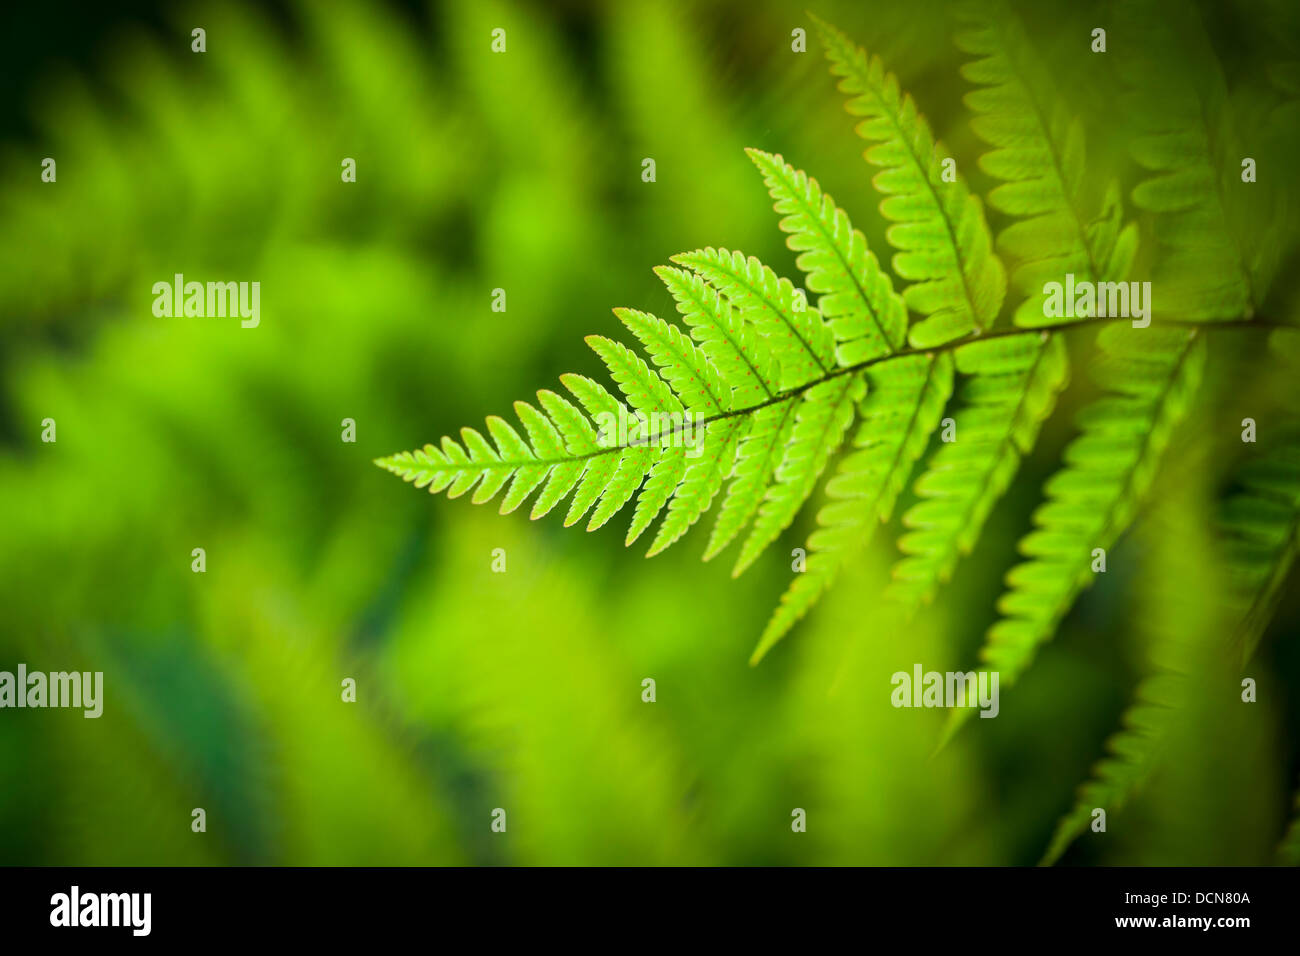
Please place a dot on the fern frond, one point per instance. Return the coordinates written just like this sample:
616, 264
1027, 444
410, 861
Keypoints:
867, 317
798, 337
769, 386
1205, 270
562, 448
821, 420
789, 442
1150, 376
609, 479
1038, 154
1012, 388
1186, 677
694, 380
945, 248
1263, 527
648, 393
702, 480
746, 363
757, 458
1214, 261
1261, 521
902, 407
665, 474
645, 390
1132, 755
749, 391
742, 356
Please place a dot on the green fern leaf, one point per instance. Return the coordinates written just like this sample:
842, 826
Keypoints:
867, 317
1133, 753
752, 381
803, 345
455, 470
695, 381
1012, 388
666, 473
1262, 523
1150, 376
1038, 155
702, 480
1186, 673
799, 339
648, 393
902, 407
632, 468
549, 444
757, 457
1205, 269
601, 477
1213, 259
742, 356
821, 419
760, 388
945, 249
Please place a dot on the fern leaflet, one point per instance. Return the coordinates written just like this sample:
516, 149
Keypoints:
855, 295
798, 337
902, 408
945, 249
1012, 388
1264, 524
1211, 264
1262, 521
1150, 376
1038, 155
1185, 676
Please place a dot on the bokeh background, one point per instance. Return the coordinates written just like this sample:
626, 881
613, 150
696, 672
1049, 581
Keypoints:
520, 690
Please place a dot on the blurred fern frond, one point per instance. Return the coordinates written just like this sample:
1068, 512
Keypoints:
1186, 672
1261, 520
1149, 382
763, 387
945, 249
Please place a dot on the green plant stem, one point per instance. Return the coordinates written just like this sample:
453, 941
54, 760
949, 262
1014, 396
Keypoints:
946, 347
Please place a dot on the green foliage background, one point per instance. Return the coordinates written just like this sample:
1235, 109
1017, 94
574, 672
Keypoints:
520, 690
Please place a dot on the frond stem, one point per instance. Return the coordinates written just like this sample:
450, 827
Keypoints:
789, 393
